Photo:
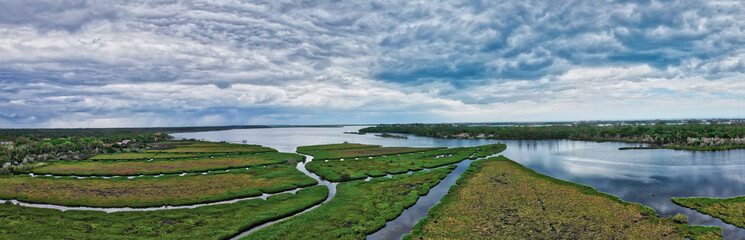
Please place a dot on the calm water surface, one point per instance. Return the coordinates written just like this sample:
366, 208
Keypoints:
649, 177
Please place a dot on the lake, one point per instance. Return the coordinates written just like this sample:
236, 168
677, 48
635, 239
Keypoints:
650, 177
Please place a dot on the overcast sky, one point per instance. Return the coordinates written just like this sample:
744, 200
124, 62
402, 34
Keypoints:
175, 63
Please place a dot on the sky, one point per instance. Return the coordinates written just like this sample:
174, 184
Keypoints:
69, 63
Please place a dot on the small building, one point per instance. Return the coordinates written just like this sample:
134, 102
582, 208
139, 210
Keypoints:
462, 135
124, 143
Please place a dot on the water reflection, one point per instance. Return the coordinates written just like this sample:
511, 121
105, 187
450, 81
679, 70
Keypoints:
650, 177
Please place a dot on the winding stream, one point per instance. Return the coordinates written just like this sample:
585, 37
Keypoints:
131, 209
144, 175
332, 189
300, 166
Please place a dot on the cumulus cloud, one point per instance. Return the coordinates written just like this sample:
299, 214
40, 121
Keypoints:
137, 63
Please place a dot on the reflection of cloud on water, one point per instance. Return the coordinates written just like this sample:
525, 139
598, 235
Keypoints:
646, 173
578, 169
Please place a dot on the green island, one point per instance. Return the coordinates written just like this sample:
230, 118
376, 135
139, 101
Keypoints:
154, 191
386, 135
354, 150
164, 166
352, 169
729, 210
696, 137
497, 197
206, 222
366, 207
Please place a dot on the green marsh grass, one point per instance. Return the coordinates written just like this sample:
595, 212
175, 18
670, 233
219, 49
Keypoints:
154, 191
488, 150
212, 147
353, 169
352, 150
729, 210
142, 155
358, 209
207, 222
498, 198
164, 166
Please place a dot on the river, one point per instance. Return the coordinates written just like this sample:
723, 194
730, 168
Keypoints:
649, 177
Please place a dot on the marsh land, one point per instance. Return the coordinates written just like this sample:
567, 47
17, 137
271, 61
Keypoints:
373, 181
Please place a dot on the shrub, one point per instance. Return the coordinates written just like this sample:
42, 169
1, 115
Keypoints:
680, 218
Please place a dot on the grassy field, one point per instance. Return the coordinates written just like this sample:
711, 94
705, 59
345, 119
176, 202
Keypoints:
352, 150
350, 169
730, 210
142, 155
153, 191
213, 147
111, 167
498, 198
358, 209
207, 222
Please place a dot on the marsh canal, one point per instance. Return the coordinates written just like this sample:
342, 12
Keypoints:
301, 167
649, 177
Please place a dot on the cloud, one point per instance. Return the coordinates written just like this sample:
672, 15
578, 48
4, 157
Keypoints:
137, 63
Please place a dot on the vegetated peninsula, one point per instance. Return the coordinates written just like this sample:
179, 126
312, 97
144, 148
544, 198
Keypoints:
497, 197
386, 135
698, 137
730, 210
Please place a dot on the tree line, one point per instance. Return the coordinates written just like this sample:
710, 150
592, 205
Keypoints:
19, 153
684, 136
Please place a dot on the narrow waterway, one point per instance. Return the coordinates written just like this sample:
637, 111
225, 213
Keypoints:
332, 189
300, 166
404, 223
185, 173
143, 209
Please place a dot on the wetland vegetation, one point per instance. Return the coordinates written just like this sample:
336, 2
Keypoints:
143, 156
352, 150
497, 197
354, 167
163, 166
153, 191
212, 147
386, 135
207, 222
729, 210
359, 208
